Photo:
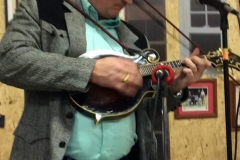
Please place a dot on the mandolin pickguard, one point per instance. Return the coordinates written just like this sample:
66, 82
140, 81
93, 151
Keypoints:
109, 103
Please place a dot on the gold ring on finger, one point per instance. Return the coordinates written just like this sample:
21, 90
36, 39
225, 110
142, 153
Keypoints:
126, 79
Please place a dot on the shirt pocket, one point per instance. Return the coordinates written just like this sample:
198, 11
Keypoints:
53, 39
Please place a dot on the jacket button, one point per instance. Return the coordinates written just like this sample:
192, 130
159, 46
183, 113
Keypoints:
69, 115
62, 144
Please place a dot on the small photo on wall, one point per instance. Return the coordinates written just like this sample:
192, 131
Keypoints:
201, 102
197, 101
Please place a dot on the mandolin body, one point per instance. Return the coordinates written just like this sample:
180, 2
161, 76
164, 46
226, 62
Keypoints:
105, 103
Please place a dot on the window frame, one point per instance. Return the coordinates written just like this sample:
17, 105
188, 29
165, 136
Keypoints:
185, 17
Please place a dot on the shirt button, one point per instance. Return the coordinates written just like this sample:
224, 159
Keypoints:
69, 115
62, 144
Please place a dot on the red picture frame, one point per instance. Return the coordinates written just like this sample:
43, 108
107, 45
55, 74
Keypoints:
202, 101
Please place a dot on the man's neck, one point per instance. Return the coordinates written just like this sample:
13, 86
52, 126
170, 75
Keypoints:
101, 18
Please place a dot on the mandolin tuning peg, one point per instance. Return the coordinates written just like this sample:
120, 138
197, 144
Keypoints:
152, 55
212, 75
220, 70
219, 52
211, 53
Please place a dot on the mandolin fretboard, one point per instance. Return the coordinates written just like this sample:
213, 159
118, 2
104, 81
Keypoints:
146, 70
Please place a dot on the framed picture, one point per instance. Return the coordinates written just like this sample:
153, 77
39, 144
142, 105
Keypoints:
10, 7
202, 101
234, 91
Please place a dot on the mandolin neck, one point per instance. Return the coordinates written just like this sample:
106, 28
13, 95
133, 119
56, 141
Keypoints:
146, 70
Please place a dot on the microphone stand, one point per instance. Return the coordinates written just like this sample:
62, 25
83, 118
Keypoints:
161, 100
224, 27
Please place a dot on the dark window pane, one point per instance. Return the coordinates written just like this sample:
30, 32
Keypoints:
214, 20
198, 20
139, 24
150, 24
209, 8
141, 6
154, 31
196, 6
160, 2
138, 12
208, 42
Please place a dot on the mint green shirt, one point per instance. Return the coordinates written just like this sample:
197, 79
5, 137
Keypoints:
110, 140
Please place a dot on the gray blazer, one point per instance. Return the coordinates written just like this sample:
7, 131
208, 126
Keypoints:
42, 59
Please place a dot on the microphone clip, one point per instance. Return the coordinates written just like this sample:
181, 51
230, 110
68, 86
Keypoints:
164, 72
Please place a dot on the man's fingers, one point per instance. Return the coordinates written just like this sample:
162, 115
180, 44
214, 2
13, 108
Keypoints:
189, 64
196, 52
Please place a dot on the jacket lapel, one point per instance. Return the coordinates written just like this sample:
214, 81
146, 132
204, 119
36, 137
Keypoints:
77, 33
127, 37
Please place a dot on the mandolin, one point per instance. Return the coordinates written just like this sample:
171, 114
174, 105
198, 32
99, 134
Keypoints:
104, 103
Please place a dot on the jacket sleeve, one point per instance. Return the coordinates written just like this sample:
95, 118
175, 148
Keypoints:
174, 101
24, 65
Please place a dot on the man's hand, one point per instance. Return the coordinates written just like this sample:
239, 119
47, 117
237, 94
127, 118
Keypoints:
191, 73
110, 72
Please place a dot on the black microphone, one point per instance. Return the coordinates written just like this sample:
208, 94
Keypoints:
220, 6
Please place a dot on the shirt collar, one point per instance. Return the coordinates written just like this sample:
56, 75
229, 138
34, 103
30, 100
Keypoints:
106, 23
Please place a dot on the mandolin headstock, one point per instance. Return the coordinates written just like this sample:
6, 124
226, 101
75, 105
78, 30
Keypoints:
216, 58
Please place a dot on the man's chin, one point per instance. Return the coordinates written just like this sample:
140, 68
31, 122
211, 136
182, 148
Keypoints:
113, 14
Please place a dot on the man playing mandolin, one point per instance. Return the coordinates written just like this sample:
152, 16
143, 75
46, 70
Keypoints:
42, 53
